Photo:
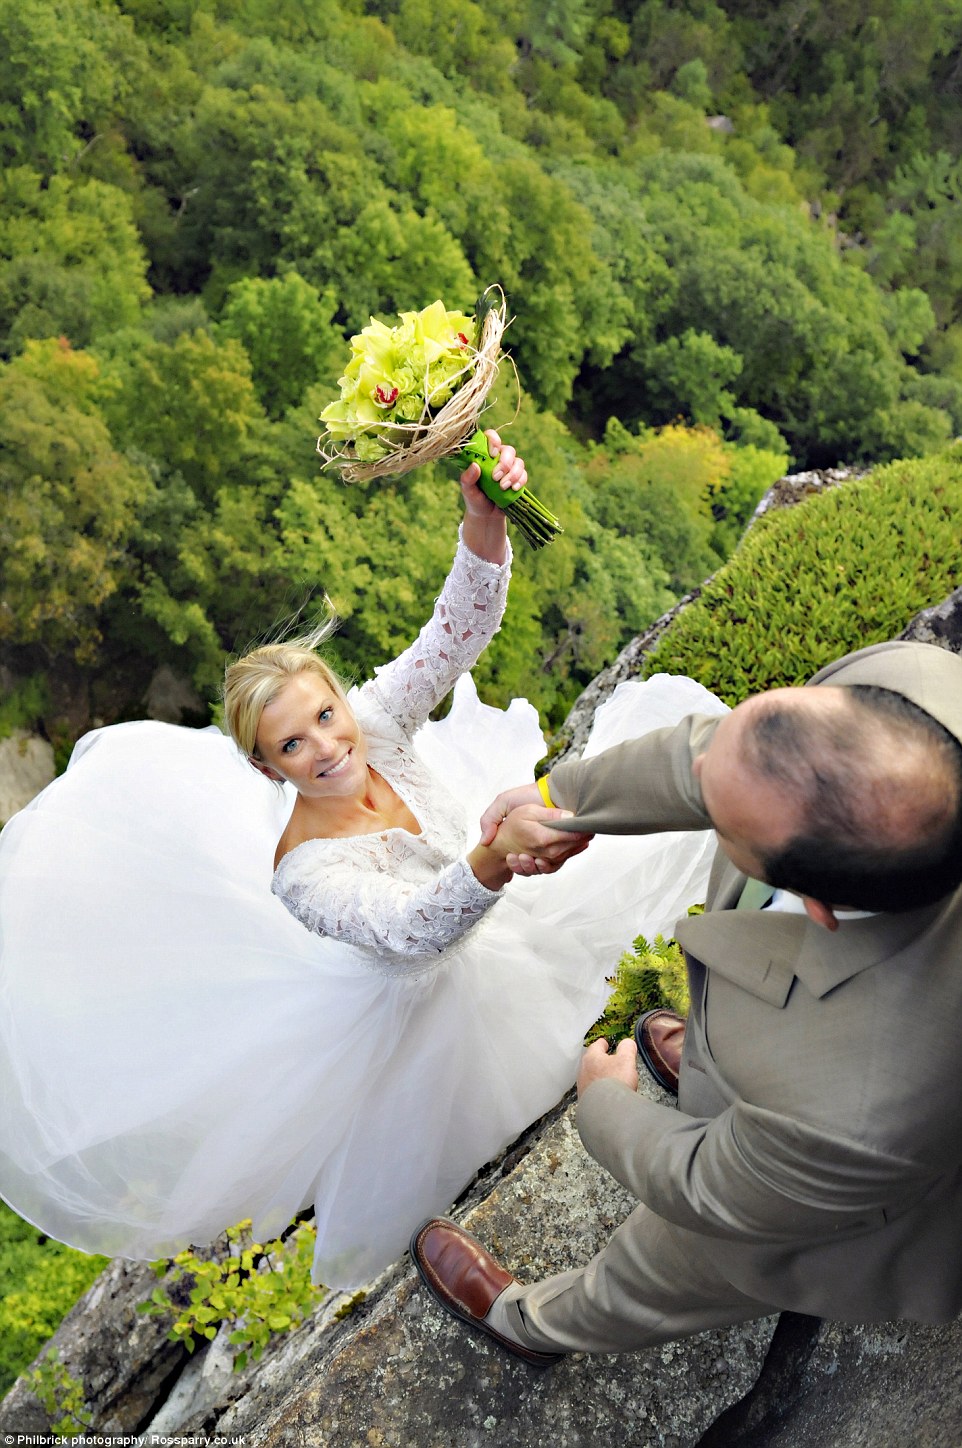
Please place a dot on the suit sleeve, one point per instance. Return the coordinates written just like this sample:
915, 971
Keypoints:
640, 787
748, 1174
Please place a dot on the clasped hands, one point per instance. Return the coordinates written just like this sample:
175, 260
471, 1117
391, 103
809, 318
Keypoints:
518, 824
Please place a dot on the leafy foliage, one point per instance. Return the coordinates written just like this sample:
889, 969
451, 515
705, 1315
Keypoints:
203, 202
647, 977
61, 1396
40, 1280
262, 1289
71, 262
69, 501
684, 490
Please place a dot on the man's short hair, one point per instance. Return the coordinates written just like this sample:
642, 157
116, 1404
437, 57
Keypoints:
845, 854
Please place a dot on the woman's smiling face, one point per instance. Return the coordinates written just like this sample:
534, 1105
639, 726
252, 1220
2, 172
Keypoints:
309, 737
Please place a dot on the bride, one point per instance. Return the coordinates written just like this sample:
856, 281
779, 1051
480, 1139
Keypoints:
234, 991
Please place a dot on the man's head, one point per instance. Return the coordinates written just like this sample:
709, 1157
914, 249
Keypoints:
848, 796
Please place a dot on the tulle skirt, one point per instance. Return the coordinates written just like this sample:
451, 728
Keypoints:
178, 1053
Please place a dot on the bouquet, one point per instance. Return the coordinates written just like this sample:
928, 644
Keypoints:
414, 393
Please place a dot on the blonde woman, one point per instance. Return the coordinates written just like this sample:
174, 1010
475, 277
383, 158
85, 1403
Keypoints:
244, 981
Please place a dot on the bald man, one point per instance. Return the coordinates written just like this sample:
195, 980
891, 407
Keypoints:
814, 1161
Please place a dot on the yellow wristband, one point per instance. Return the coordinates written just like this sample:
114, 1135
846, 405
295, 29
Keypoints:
545, 792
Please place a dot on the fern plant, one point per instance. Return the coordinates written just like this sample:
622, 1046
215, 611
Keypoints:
647, 976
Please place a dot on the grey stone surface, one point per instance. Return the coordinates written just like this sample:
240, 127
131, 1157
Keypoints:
895, 1386
409, 1374
121, 1357
26, 767
170, 697
796, 487
941, 625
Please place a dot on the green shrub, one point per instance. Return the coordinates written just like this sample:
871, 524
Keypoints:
24, 705
845, 569
61, 1396
262, 1289
40, 1280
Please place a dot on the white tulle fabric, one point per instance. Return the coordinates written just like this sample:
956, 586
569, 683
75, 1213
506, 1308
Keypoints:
178, 1052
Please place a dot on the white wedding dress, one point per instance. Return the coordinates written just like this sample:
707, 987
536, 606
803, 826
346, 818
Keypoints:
179, 1052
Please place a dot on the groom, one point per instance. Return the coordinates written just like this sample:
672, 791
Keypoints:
814, 1161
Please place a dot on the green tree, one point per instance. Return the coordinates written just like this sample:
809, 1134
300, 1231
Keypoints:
920, 240
66, 70
190, 406
69, 504
284, 326
71, 262
809, 328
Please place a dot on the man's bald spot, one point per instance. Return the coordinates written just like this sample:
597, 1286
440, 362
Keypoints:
888, 782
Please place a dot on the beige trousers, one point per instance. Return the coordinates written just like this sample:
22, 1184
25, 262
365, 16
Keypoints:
646, 1286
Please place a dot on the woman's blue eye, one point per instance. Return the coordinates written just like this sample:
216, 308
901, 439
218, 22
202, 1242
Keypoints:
326, 714
288, 748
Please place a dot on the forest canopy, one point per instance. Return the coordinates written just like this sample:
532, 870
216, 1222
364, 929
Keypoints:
730, 238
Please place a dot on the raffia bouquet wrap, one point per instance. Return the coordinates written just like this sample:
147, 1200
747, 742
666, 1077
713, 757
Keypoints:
414, 393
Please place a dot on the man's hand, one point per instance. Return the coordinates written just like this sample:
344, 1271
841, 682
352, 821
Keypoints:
596, 1064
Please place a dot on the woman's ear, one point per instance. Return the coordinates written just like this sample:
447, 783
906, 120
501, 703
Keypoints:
265, 770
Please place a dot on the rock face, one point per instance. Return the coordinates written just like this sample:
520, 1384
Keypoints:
413, 1375
941, 625
393, 1371
171, 698
859, 1387
26, 767
397, 1371
122, 1357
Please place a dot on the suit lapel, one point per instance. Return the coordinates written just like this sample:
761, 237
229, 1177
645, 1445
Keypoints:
754, 949
763, 951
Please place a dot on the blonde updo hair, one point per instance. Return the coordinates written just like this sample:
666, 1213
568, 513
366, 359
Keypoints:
254, 681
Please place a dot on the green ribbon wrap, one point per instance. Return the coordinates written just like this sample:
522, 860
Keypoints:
534, 522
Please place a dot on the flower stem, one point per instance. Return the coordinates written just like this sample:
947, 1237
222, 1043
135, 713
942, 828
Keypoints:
536, 524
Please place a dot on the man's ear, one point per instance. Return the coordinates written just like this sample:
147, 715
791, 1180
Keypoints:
822, 914
264, 769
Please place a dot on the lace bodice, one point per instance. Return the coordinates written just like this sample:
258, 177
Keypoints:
406, 898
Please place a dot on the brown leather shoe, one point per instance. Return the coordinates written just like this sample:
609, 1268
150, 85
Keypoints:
466, 1279
660, 1038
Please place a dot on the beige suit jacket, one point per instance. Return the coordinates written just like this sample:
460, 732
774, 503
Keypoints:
815, 1158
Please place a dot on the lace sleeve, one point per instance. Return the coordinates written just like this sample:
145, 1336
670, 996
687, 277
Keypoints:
466, 617
370, 908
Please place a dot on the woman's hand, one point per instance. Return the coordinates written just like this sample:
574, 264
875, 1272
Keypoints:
509, 471
531, 846
525, 844
502, 805
485, 529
